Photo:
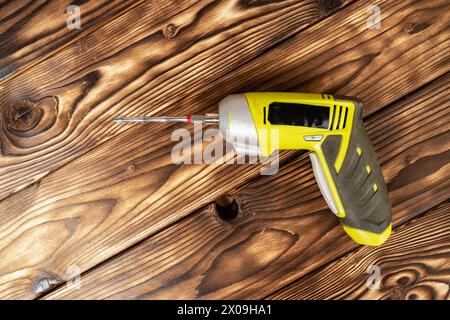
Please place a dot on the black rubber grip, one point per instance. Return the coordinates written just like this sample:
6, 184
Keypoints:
359, 183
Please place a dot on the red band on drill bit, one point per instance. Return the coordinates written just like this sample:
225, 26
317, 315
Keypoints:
188, 119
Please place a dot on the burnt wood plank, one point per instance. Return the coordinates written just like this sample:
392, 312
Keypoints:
150, 58
130, 182
415, 264
167, 64
284, 229
32, 30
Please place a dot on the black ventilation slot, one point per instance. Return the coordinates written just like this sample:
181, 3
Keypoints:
339, 118
345, 118
264, 115
332, 117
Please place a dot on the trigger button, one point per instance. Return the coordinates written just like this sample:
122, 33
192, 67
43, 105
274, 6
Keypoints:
316, 137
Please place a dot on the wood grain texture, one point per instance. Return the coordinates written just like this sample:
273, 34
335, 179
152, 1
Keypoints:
414, 264
32, 30
100, 206
159, 58
284, 230
123, 190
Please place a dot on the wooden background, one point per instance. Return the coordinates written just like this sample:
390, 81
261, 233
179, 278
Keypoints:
82, 194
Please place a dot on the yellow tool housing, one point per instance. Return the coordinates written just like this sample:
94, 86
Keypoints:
344, 162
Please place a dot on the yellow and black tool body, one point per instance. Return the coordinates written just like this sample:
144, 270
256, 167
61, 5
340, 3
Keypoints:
331, 128
343, 159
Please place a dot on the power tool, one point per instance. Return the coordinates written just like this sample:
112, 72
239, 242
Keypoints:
331, 128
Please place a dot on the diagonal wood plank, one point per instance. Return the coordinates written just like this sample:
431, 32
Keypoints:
32, 30
284, 230
159, 57
118, 198
149, 181
415, 264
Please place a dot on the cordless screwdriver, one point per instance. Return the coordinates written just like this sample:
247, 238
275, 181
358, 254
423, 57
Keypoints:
331, 128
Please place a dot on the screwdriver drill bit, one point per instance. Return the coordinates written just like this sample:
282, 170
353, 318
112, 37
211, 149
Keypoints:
207, 118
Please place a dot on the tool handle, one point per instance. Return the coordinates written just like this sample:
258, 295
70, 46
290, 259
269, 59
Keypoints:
357, 193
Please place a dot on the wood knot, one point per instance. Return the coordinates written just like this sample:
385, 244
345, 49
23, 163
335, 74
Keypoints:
227, 207
331, 5
403, 281
412, 296
396, 293
413, 28
44, 284
23, 116
409, 26
27, 117
398, 283
170, 31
